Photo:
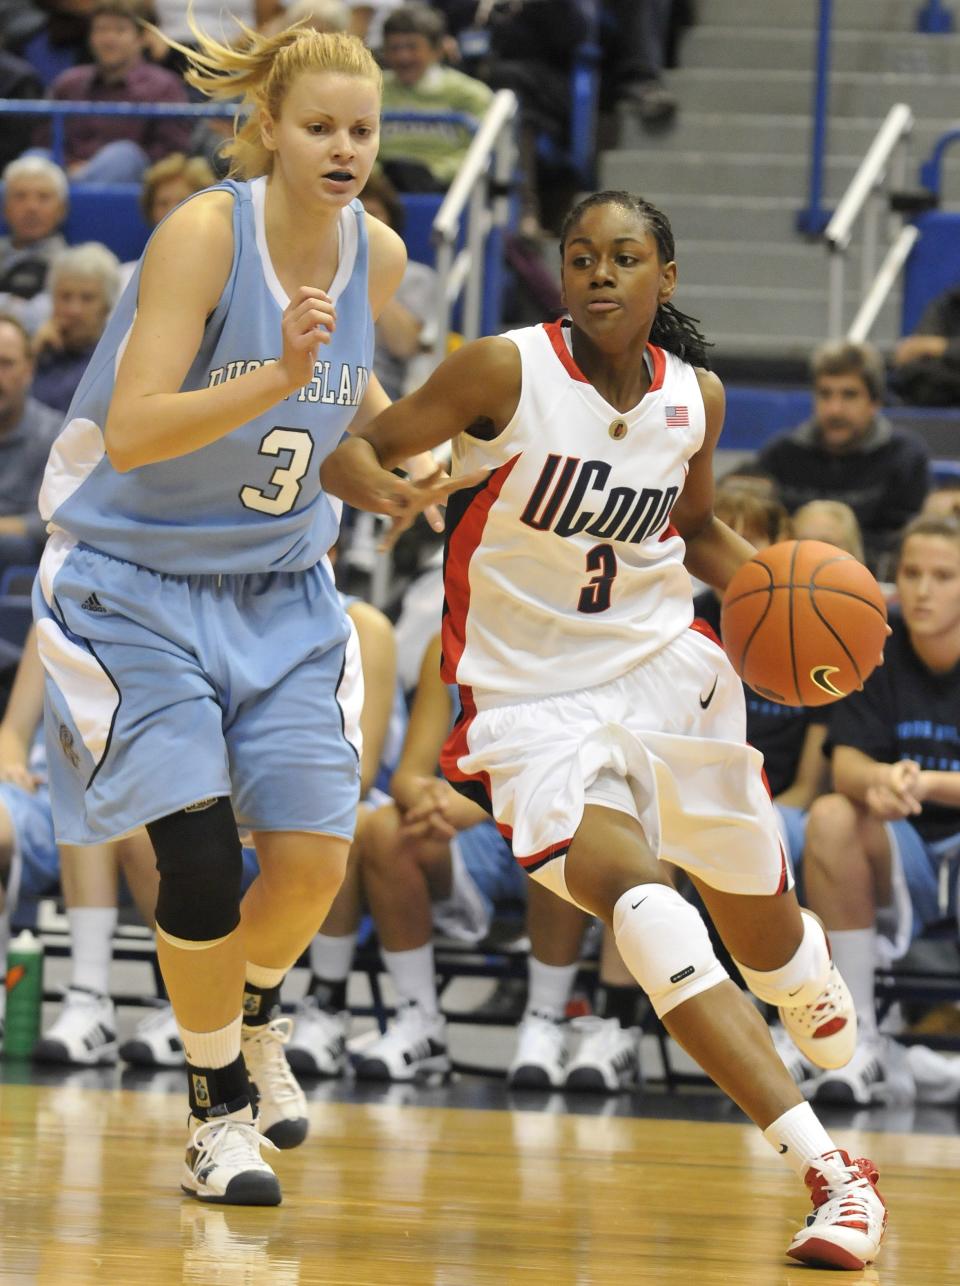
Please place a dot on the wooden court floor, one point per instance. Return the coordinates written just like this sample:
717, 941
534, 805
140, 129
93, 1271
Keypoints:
385, 1194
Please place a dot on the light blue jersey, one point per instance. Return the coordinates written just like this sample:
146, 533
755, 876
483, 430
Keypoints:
252, 501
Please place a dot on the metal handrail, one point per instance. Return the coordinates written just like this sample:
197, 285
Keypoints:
883, 283
491, 155
886, 158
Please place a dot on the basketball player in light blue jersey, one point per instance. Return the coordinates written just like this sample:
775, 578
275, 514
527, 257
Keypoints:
201, 672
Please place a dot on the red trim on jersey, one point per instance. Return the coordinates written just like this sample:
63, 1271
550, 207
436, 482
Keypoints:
545, 855
659, 367
455, 747
706, 629
668, 531
462, 545
554, 332
782, 885
555, 335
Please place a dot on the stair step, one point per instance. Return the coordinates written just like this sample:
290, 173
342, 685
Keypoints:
859, 94
781, 314
749, 264
851, 15
786, 135
723, 173
774, 49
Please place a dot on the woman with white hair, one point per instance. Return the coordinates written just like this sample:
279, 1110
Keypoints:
84, 282
34, 208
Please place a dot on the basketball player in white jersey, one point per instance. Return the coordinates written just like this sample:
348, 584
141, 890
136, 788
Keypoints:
201, 672
598, 728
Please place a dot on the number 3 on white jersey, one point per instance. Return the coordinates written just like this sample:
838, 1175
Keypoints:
287, 477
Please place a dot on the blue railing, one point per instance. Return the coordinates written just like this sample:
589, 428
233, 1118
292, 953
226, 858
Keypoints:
813, 218
58, 111
932, 169
935, 18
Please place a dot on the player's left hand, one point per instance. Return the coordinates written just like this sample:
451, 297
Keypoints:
428, 492
425, 466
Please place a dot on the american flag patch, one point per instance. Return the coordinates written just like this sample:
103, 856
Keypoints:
678, 417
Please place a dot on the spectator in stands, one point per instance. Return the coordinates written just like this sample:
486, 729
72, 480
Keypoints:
367, 18
849, 451
117, 149
635, 36
165, 185
528, 48
424, 156
27, 430
34, 207
943, 500
84, 281
321, 15
55, 42
84, 1031
209, 15
876, 849
17, 80
750, 476
832, 521
404, 327
926, 364
428, 861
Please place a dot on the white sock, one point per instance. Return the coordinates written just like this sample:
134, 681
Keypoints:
413, 975
331, 958
212, 1048
799, 1137
855, 955
91, 946
262, 976
549, 987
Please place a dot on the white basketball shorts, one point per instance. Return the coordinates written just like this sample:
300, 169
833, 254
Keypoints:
664, 742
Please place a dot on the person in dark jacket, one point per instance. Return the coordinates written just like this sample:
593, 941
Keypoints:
926, 364
849, 451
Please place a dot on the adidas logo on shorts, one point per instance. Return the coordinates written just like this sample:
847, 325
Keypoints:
93, 604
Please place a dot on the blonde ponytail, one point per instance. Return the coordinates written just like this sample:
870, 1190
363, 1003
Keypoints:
261, 69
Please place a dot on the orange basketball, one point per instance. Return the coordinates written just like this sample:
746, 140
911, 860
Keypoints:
803, 623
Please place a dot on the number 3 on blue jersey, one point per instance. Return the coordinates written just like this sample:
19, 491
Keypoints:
595, 595
287, 477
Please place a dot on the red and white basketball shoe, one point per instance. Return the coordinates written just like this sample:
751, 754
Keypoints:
849, 1215
825, 1031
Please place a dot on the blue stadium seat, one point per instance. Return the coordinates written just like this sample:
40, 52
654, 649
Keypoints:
933, 265
16, 618
17, 580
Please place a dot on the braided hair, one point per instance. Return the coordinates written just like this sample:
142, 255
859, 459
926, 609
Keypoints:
672, 329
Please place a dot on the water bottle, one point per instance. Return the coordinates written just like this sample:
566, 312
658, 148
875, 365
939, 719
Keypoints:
24, 995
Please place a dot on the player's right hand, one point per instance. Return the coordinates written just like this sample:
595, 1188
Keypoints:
18, 774
309, 320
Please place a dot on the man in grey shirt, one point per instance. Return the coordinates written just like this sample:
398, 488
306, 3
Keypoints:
27, 430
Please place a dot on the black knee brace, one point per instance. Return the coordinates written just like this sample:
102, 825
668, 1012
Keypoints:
200, 866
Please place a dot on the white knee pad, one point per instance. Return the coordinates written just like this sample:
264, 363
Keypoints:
801, 980
665, 945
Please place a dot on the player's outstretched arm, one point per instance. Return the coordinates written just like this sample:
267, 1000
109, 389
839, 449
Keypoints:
714, 551
184, 272
480, 382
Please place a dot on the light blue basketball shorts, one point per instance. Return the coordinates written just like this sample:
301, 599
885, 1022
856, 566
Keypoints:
35, 869
165, 690
484, 872
916, 867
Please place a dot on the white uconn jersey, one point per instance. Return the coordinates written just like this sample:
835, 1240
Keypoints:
562, 569
251, 501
